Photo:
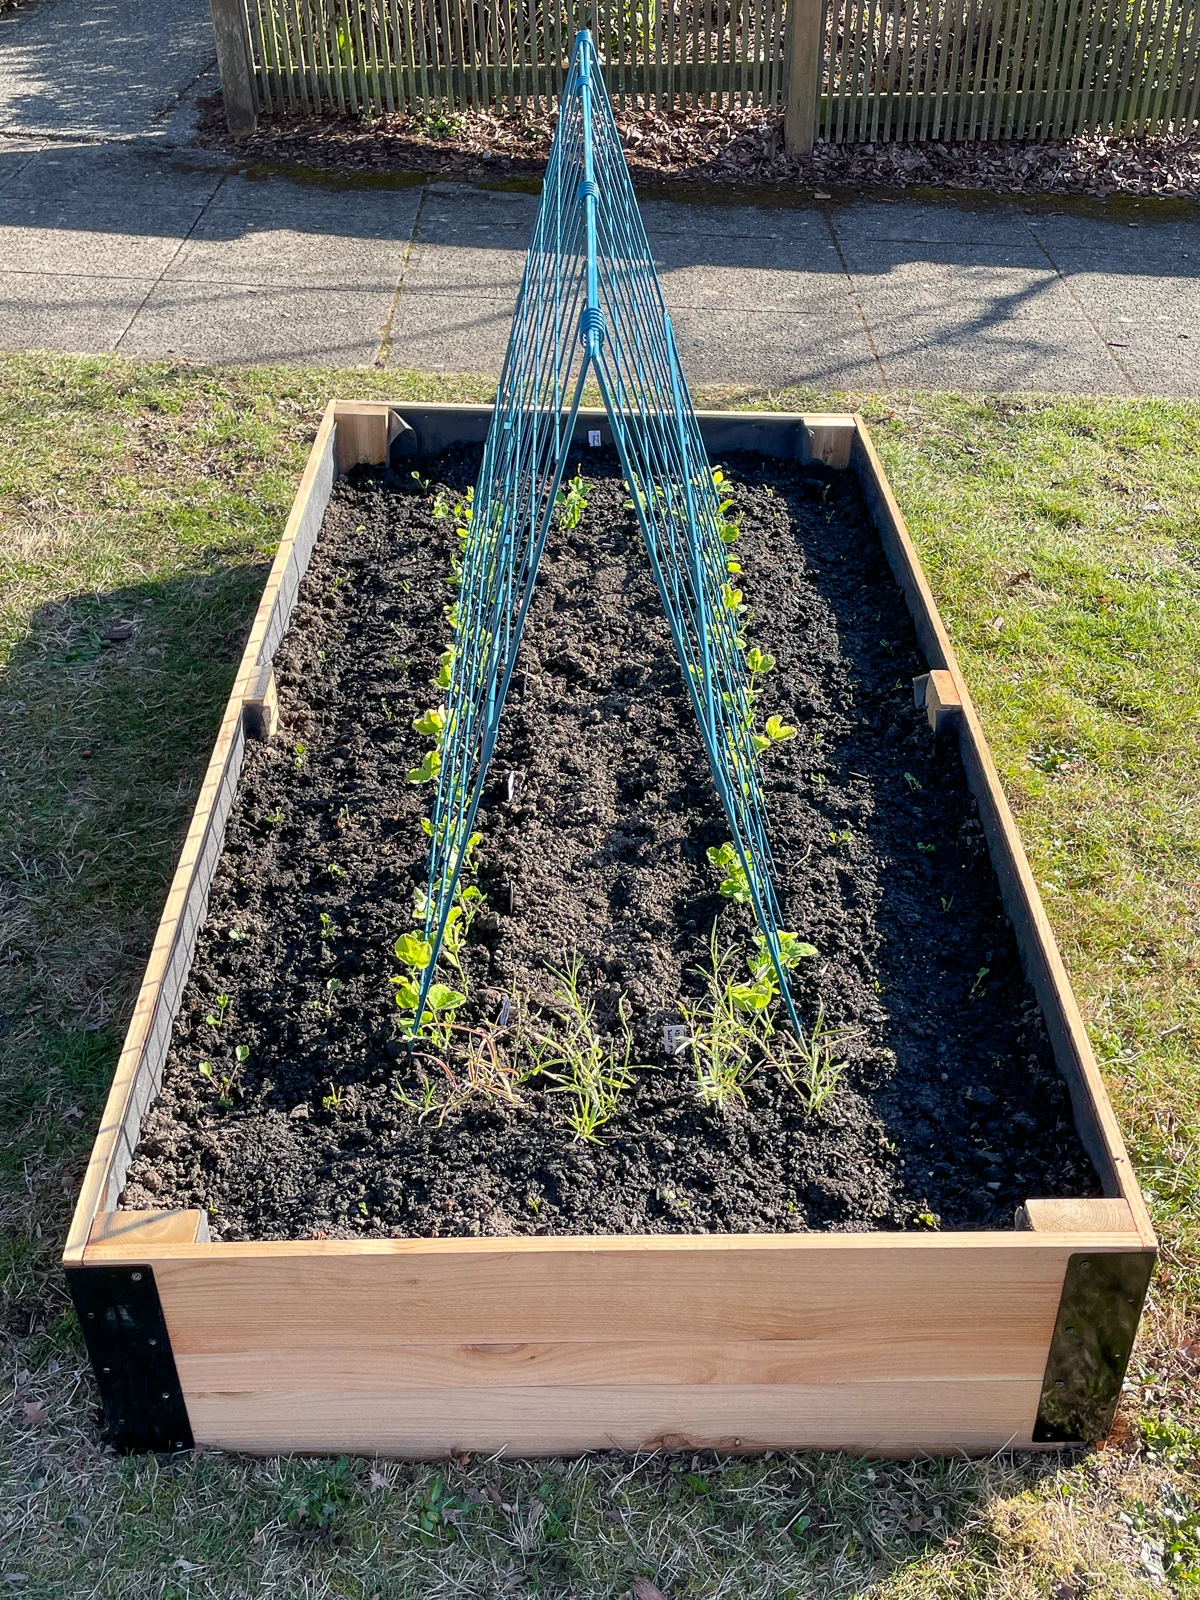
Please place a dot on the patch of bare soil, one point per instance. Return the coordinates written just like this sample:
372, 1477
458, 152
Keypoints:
717, 147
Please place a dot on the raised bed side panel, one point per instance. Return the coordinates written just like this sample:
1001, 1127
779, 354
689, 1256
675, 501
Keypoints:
419, 1348
1039, 951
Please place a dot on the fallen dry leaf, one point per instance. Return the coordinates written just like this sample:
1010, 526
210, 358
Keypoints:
36, 1413
643, 1589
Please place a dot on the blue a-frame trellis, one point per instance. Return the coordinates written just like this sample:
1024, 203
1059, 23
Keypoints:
590, 303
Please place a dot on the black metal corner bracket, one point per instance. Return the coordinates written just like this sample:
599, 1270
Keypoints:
1097, 1322
130, 1351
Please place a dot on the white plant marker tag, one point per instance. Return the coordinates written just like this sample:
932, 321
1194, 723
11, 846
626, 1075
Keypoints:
674, 1035
594, 438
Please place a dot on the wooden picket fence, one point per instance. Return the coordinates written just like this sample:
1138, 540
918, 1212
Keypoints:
1008, 69
847, 70
372, 56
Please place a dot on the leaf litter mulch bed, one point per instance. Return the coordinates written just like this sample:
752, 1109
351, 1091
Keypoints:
950, 1111
717, 147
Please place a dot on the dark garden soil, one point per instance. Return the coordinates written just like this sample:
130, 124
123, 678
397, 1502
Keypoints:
951, 1111
737, 147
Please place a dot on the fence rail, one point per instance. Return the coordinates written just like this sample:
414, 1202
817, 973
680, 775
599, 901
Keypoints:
847, 70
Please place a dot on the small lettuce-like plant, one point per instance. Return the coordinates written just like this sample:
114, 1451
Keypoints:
437, 1015
427, 769
734, 885
776, 732
571, 502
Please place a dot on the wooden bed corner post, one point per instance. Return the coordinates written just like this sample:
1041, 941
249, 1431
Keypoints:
232, 36
804, 48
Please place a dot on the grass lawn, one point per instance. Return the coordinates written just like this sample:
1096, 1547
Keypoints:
1062, 539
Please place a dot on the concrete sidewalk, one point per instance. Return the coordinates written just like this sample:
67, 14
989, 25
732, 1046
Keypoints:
114, 235
113, 69
158, 252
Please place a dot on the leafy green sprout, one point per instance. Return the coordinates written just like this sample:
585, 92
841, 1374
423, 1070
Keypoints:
760, 662
215, 1019
591, 1071
735, 885
776, 732
326, 930
810, 1064
441, 1002
299, 755
571, 502
980, 979
332, 987
913, 783
729, 1029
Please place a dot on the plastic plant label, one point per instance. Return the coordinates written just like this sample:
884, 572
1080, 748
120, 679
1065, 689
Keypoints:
594, 438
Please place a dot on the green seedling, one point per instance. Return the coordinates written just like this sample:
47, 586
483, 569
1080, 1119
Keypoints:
759, 663
980, 979
724, 1036
327, 929
591, 1071
238, 935
810, 1067
734, 566
422, 483
333, 1100
428, 1101
946, 904
275, 818
336, 871
331, 988
734, 885
776, 732
386, 710
732, 599
431, 723
840, 836
437, 1018
224, 1085
428, 768
913, 783
216, 1018
571, 502
927, 849
299, 754
441, 507
445, 668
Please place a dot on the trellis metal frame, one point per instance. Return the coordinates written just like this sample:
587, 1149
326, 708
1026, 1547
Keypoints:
590, 305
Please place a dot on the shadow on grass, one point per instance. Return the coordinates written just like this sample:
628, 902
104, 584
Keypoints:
110, 705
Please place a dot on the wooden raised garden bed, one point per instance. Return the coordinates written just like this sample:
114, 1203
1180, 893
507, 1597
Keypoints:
893, 1335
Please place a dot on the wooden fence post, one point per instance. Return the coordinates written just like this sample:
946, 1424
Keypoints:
804, 29
233, 59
